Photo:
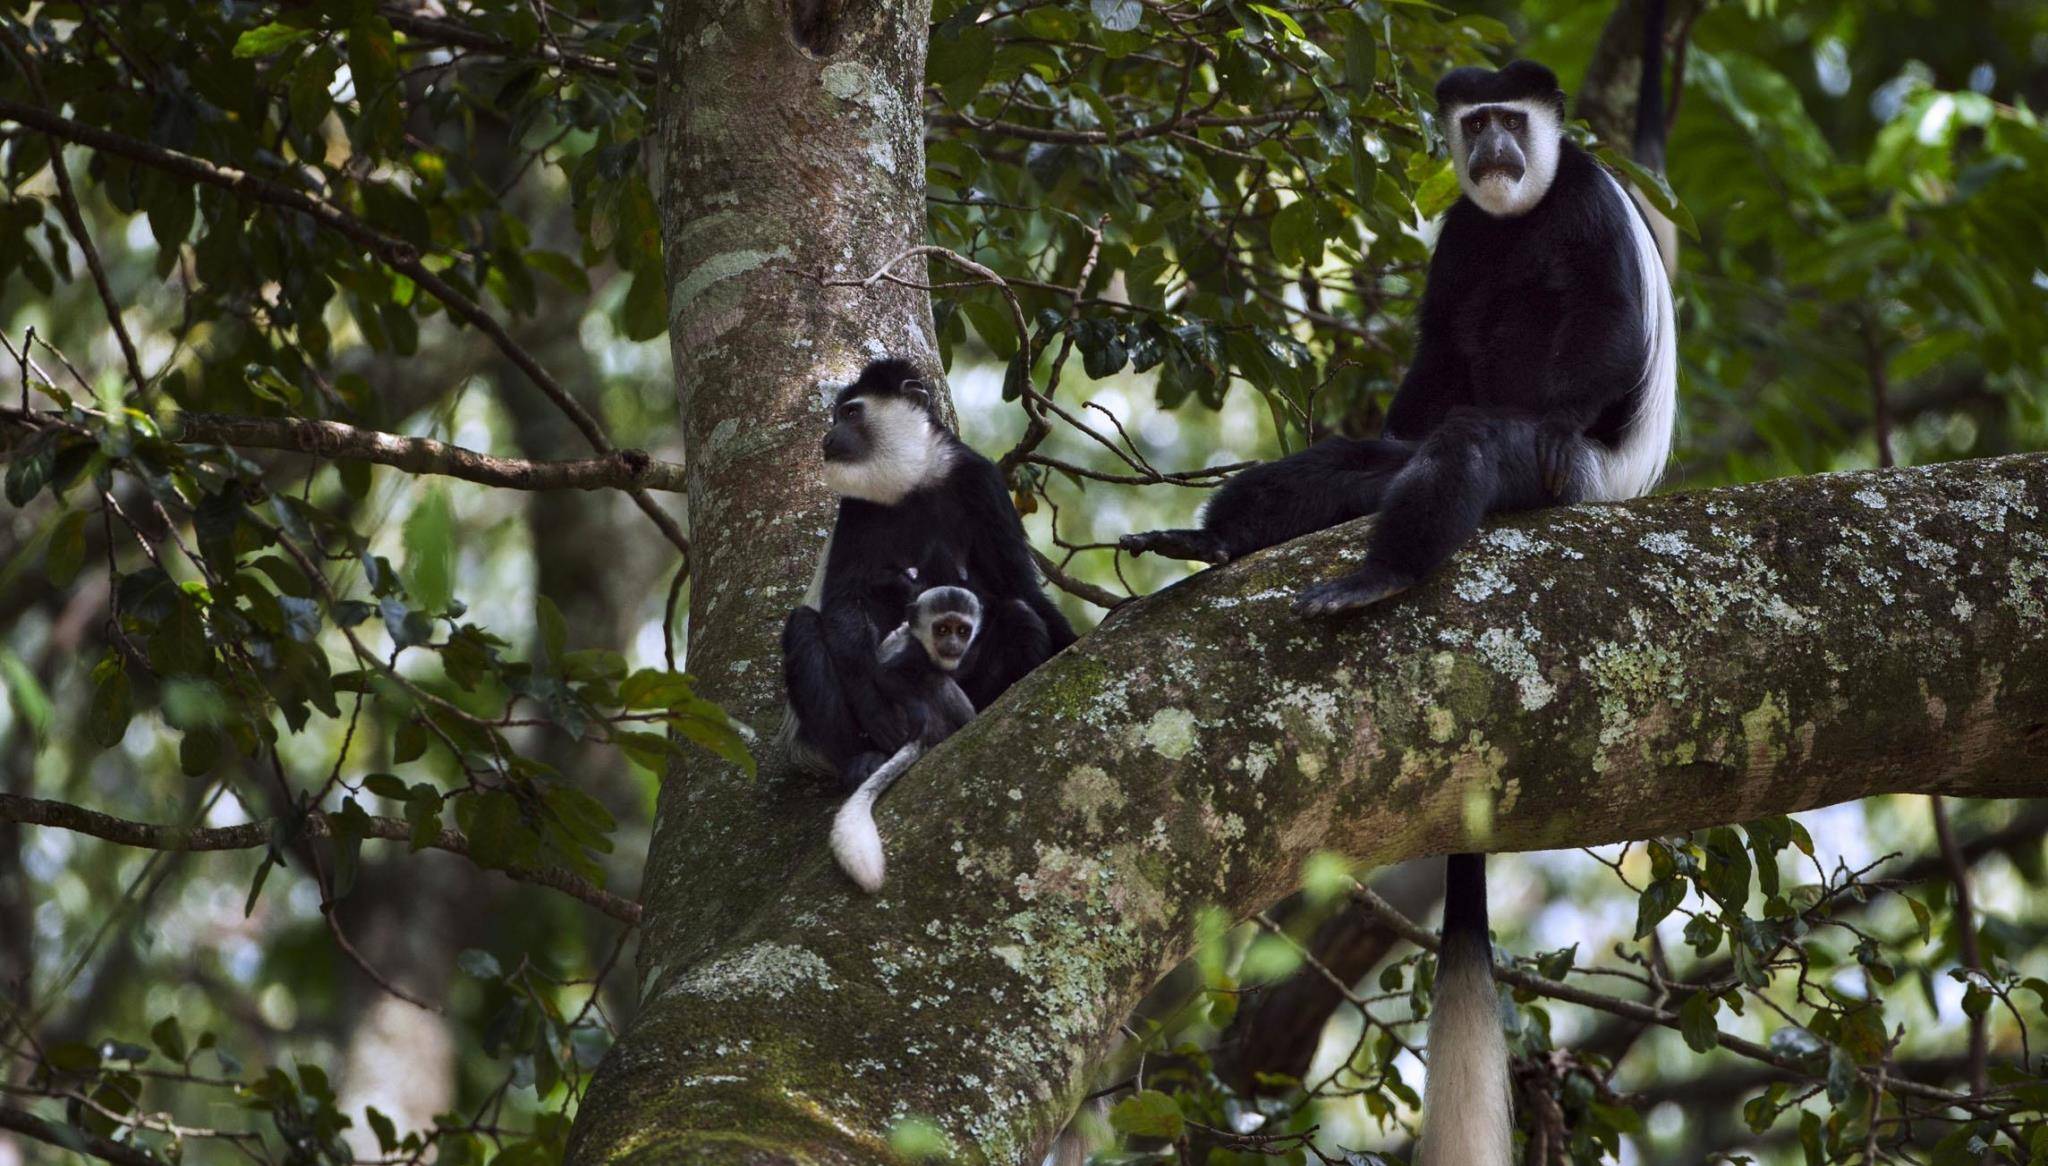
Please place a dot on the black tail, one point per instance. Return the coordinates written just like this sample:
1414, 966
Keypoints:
1467, 1116
1649, 143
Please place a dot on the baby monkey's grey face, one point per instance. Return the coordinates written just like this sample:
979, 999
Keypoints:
945, 620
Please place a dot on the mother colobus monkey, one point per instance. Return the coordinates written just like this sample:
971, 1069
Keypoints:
1545, 373
918, 508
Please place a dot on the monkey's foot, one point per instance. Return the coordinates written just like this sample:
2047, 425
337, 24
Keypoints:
1362, 588
1199, 545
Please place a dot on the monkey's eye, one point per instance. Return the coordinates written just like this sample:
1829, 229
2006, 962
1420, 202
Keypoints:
1475, 123
1512, 121
850, 410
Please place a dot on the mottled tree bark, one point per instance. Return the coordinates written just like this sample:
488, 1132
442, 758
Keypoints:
1578, 676
792, 148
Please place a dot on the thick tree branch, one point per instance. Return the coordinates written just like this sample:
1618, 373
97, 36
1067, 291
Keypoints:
619, 470
250, 835
1576, 676
392, 252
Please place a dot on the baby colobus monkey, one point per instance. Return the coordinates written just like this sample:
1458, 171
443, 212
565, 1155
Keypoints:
917, 507
915, 677
1545, 372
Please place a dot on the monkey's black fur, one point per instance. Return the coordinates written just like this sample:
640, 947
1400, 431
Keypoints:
953, 523
1530, 363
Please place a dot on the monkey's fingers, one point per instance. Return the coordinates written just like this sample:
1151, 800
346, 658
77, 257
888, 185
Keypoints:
1361, 588
1198, 545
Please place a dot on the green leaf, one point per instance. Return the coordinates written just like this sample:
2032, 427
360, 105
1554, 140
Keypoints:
645, 312
1841, 1074
429, 538
1148, 1114
1659, 899
959, 65
1696, 1021
1118, 15
409, 743
66, 550
479, 963
256, 884
268, 40
1361, 56
169, 1038
423, 812
31, 703
554, 632
107, 721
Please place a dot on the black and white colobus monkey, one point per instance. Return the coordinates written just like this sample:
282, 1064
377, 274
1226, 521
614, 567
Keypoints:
917, 506
1545, 373
914, 677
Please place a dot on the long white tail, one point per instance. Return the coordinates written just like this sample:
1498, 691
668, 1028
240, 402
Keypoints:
1467, 1110
855, 841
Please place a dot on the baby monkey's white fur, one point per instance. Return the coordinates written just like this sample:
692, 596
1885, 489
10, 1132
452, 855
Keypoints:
1497, 194
856, 843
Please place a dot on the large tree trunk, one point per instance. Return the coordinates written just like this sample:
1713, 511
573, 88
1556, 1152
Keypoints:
792, 148
1578, 676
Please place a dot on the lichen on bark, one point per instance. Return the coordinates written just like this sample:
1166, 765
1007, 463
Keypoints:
1576, 676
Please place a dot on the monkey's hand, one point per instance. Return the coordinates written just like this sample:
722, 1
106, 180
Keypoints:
1199, 545
1558, 449
1361, 588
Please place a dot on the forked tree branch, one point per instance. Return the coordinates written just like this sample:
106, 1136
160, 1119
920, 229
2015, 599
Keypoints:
1577, 676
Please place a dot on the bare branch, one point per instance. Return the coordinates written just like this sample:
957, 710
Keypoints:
251, 835
620, 470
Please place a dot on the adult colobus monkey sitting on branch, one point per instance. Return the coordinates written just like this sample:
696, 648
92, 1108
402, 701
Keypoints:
917, 508
1545, 373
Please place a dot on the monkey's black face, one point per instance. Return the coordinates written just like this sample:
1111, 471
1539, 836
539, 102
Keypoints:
1497, 142
950, 637
883, 441
847, 440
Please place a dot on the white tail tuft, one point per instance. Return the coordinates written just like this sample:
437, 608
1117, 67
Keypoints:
856, 843
1632, 469
1468, 1115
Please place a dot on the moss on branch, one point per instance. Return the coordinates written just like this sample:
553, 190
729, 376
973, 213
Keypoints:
1577, 676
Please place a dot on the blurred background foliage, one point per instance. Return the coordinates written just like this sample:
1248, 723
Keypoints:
1213, 219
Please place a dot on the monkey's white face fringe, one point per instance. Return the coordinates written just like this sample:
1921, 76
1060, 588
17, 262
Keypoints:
1497, 194
856, 843
905, 451
1632, 468
1468, 1116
